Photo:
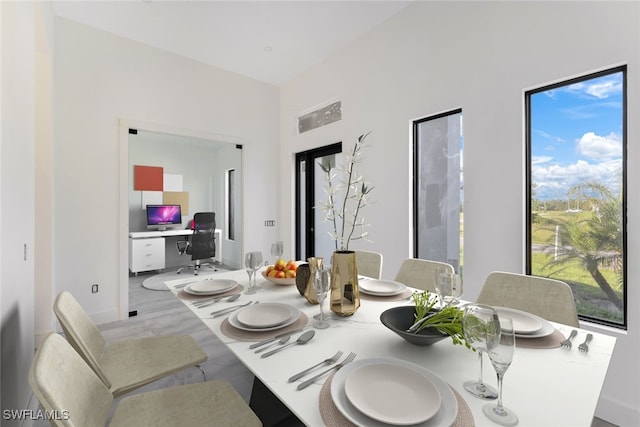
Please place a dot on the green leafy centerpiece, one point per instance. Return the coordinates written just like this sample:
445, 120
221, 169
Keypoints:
448, 320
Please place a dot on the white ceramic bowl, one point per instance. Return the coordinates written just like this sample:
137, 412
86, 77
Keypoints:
289, 281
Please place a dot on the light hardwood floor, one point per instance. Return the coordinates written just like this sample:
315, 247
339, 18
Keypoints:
159, 313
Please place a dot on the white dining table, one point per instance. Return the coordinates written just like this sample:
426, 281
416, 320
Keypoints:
544, 387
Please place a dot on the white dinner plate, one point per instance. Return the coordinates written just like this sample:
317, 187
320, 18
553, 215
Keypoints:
523, 322
265, 315
445, 416
392, 393
210, 287
546, 329
381, 287
233, 321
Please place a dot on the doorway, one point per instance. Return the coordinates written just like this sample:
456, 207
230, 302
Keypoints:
312, 232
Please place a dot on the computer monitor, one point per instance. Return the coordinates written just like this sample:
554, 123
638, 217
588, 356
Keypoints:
159, 217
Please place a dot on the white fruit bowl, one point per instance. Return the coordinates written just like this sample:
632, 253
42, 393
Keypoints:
274, 280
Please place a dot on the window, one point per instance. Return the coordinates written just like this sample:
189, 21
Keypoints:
438, 192
576, 182
230, 210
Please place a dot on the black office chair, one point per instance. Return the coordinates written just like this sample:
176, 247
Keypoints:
203, 242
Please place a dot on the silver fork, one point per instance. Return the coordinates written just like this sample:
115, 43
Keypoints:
567, 343
584, 347
331, 359
310, 381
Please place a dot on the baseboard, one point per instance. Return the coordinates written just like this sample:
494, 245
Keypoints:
617, 413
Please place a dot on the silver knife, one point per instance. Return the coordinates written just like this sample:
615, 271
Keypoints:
229, 309
277, 337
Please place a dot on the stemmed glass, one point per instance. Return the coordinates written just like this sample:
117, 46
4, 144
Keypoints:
277, 249
252, 262
321, 284
478, 321
500, 347
448, 286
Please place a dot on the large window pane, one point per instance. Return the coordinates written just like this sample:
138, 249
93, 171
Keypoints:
576, 143
438, 193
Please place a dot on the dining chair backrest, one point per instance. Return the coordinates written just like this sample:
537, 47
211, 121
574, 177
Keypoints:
548, 298
65, 385
420, 273
81, 332
369, 264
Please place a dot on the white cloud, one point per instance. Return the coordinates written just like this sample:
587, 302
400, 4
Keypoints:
599, 88
604, 89
554, 180
536, 160
598, 147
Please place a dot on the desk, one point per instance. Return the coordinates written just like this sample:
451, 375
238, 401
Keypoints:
146, 248
554, 387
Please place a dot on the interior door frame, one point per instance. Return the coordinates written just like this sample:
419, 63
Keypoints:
309, 158
123, 200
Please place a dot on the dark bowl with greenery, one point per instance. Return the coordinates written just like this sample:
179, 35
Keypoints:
399, 319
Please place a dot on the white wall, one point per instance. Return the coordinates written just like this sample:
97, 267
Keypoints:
480, 56
17, 182
101, 79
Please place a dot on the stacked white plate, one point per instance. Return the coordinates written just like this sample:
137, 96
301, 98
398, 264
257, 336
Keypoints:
210, 287
383, 392
526, 325
264, 317
381, 288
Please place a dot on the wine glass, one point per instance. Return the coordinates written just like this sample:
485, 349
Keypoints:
500, 347
277, 249
448, 286
479, 320
252, 262
321, 285
248, 267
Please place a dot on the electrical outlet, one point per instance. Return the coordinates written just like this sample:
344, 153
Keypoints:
270, 223
94, 288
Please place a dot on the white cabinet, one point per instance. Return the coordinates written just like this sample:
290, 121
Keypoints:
146, 254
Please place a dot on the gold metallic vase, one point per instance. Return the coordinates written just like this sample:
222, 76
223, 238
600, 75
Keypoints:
345, 295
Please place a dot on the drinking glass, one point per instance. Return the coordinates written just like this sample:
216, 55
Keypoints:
249, 268
277, 249
478, 321
252, 262
321, 284
500, 348
448, 286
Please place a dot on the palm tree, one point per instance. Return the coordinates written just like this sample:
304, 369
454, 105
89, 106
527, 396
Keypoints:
595, 241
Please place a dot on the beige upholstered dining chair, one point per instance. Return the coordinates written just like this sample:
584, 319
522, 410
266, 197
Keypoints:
67, 387
420, 273
548, 298
128, 364
369, 264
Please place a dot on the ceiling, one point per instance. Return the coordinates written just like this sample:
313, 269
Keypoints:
271, 41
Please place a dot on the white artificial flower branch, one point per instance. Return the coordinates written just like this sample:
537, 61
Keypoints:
356, 193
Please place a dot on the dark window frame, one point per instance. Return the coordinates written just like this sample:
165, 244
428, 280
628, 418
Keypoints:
528, 181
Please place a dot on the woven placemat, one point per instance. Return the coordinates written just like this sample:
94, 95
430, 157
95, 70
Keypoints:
550, 341
189, 297
400, 297
332, 416
239, 334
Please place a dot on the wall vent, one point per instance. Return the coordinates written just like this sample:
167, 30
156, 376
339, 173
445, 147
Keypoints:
320, 117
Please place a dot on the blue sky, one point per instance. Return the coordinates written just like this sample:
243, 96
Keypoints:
576, 135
